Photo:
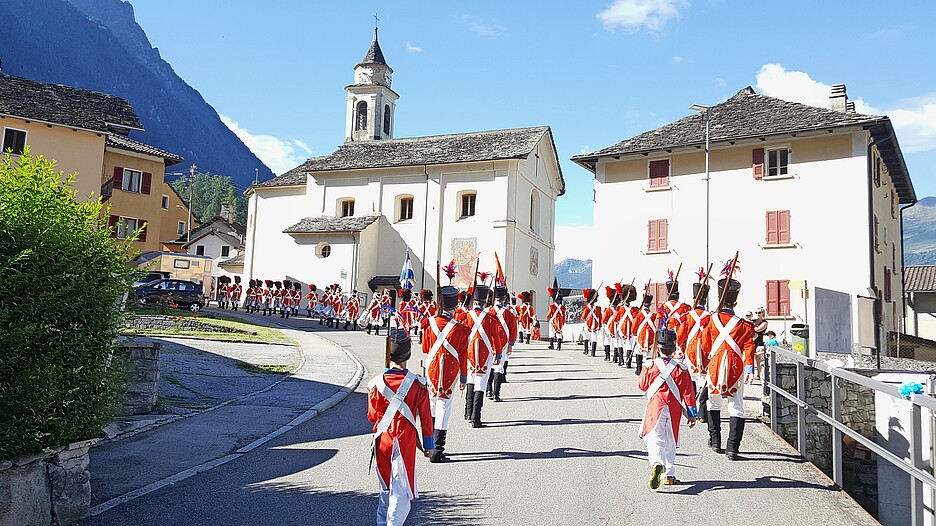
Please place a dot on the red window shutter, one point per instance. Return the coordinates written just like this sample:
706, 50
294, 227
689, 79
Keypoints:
147, 183
112, 224
784, 304
773, 298
142, 236
663, 233
651, 235
758, 163
772, 228
118, 177
783, 227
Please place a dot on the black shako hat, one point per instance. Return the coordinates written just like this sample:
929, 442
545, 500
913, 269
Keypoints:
672, 288
481, 293
500, 292
400, 345
647, 299
666, 339
448, 297
730, 295
703, 296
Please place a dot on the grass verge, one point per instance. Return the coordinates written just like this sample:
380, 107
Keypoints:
264, 369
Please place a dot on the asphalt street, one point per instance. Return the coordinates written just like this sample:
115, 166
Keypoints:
562, 448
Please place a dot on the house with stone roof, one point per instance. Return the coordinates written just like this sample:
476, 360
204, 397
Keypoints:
85, 132
919, 292
808, 197
350, 217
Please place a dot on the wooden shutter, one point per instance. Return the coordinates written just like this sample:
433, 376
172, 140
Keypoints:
783, 227
887, 285
758, 163
147, 183
118, 177
651, 235
659, 173
662, 234
783, 287
773, 298
142, 236
772, 228
112, 223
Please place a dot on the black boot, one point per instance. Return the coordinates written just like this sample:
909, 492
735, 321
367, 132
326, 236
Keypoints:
504, 376
490, 385
616, 357
476, 409
376, 330
528, 339
320, 320
630, 358
594, 348
714, 431
439, 454
585, 348
368, 328
639, 364
287, 314
735, 434
469, 401
551, 340
701, 403
559, 346
498, 381
608, 353
346, 325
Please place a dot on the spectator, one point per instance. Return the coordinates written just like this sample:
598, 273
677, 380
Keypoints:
760, 327
770, 339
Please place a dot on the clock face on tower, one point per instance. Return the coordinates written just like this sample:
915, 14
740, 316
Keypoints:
364, 76
387, 78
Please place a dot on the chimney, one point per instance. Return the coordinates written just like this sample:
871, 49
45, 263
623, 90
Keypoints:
839, 100
227, 213
850, 106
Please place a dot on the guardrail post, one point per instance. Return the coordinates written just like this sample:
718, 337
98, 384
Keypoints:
774, 398
800, 409
836, 434
916, 457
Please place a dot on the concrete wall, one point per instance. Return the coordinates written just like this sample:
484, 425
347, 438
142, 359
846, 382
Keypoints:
143, 392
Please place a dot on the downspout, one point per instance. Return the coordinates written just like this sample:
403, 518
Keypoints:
877, 295
253, 235
903, 275
422, 280
439, 217
354, 261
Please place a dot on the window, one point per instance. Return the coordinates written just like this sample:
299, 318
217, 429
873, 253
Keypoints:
180, 263
386, 120
887, 285
534, 211
876, 171
199, 250
180, 228
345, 207
778, 297
659, 174
657, 235
468, 204
165, 202
225, 251
876, 228
778, 162
778, 227
132, 180
360, 121
658, 291
14, 140
406, 208
323, 250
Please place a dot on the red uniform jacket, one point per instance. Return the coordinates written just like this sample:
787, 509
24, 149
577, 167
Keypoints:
689, 337
445, 363
591, 314
313, 300
510, 330
480, 350
663, 397
556, 314
645, 329
729, 342
400, 430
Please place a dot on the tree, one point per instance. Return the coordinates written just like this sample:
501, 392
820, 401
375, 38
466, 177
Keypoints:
210, 192
63, 275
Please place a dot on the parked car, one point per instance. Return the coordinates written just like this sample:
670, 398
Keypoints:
186, 294
150, 277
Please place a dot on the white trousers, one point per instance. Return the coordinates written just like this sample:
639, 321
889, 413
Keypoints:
504, 359
661, 446
618, 342
735, 403
593, 336
441, 411
630, 343
393, 503
480, 380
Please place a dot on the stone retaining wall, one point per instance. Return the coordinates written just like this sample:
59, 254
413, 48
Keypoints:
181, 324
144, 385
50, 488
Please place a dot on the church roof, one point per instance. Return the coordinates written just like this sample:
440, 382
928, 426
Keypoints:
750, 115
516, 143
374, 54
328, 224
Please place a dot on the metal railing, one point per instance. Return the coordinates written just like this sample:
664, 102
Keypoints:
916, 467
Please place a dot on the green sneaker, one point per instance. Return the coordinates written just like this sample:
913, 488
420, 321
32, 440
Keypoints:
655, 477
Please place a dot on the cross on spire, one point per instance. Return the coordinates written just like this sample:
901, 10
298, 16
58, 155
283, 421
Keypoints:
376, 20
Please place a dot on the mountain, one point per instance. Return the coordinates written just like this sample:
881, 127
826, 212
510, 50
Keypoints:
98, 45
574, 273
920, 233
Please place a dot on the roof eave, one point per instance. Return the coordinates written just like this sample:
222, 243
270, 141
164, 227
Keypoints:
886, 139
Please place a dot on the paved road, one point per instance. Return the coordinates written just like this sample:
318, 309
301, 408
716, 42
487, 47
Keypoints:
561, 449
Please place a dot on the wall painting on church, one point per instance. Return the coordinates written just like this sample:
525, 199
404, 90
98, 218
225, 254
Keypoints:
465, 254
534, 261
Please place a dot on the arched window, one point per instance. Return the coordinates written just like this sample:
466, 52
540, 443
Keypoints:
360, 123
386, 119
534, 211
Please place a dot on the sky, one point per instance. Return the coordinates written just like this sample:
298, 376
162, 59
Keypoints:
596, 72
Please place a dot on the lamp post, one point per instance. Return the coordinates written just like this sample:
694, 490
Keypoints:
708, 114
188, 225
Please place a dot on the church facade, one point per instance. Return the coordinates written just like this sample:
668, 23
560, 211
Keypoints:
350, 217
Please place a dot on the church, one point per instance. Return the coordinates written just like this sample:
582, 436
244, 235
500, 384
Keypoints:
351, 217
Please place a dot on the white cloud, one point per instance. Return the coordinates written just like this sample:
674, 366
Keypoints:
914, 119
303, 145
585, 149
413, 49
484, 29
634, 15
677, 59
574, 242
720, 82
278, 154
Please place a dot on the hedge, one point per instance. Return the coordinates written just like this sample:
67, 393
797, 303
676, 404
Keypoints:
61, 276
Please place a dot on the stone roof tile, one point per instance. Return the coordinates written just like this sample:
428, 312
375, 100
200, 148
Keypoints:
327, 224
920, 278
125, 143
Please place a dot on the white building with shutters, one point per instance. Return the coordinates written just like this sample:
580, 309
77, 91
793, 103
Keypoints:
350, 217
802, 193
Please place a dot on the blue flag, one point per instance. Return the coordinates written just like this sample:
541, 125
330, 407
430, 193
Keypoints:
407, 276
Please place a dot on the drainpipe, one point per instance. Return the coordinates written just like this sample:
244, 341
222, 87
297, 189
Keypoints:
903, 275
422, 280
877, 294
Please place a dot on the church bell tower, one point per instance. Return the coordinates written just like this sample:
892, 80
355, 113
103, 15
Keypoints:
371, 102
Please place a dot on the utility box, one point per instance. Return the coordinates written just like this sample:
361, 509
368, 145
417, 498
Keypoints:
800, 333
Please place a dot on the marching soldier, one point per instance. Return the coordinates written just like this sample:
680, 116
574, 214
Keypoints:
236, 290
267, 295
556, 315
729, 341
674, 310
352, 310
508, 324
527, 314
445, 342
373, 315
312, 298
591, 315
398, 404
285, 299
223, 292
608, 326
484, 350
645, 331
296, 297
628, 326
689, 337
668, 386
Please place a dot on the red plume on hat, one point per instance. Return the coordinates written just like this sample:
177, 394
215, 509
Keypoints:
550, 291
587, 293
450, 270
618, 288
400, 293
484, 276
609, 292
269, 283
312, 287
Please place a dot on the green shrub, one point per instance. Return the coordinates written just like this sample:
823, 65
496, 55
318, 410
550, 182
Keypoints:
61, 276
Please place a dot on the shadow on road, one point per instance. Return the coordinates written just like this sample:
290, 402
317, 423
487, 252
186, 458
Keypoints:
563, 422
559, 452
591, 379
769, 482
570, 398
